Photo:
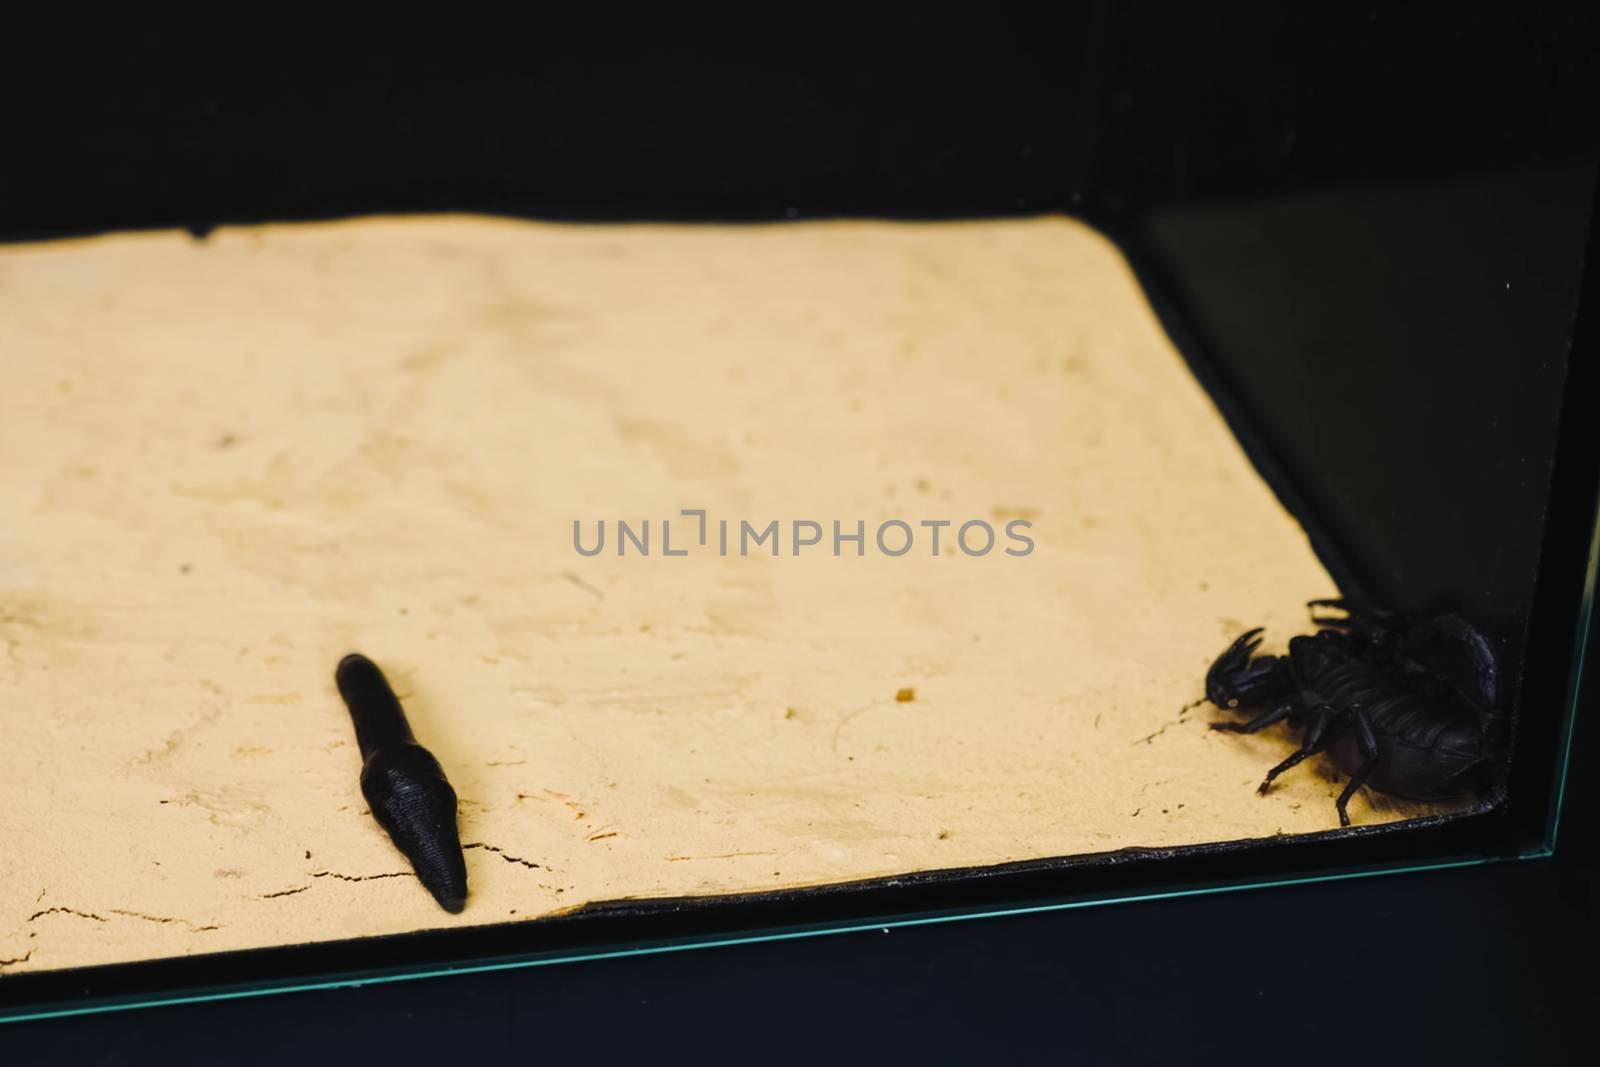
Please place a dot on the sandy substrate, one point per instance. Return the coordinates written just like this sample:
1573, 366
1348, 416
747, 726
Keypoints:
224, 464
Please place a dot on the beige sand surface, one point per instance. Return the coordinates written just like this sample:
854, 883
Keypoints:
225, 464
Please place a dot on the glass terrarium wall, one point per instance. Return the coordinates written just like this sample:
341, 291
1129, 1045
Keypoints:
1378, 255
1360, 246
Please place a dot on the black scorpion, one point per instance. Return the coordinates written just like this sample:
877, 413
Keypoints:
1407, 706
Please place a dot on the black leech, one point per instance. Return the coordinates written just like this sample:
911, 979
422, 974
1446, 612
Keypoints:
403, 783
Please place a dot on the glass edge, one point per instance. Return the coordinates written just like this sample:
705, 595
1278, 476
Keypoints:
1577, 686
178, 997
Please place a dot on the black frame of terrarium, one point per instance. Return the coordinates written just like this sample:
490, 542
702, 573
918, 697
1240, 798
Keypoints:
1365, 232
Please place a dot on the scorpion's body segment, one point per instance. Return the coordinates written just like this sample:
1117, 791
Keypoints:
1407, 707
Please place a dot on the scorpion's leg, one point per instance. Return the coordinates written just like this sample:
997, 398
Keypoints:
1373, 626
1310, 745
1260, 722
1367, 742
1348, 621
1336, 603
1339, 603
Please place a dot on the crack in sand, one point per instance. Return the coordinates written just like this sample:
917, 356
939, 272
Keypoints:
163, 919
285, 892
501, 853
123, 912
1179, 721
361, 877
67, 911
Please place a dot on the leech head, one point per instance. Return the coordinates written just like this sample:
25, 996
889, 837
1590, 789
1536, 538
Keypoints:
374, 709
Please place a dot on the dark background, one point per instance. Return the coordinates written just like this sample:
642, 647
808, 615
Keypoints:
1366, 229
